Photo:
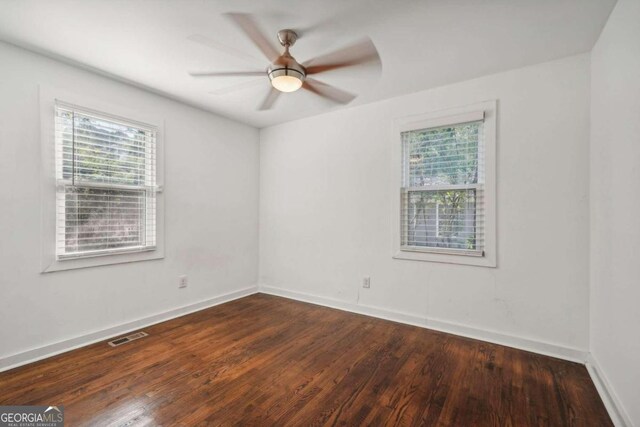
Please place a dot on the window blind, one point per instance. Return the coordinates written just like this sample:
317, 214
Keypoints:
442, 206
106, 183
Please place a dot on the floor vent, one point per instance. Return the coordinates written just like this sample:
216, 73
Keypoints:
128, 338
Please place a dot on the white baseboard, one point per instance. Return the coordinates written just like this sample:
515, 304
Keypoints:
547, 349
616, 411
33, 355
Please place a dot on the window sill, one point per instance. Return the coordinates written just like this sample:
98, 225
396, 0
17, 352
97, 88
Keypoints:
106, 259
436, 250
447, 258
106, 252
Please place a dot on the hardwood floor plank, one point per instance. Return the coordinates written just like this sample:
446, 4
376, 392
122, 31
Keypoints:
264, 360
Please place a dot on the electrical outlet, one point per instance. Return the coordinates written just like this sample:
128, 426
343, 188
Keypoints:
183, 282
366, 282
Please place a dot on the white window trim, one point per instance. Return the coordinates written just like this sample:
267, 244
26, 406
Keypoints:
443, 118
49, 262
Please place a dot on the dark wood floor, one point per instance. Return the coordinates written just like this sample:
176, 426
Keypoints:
264, 360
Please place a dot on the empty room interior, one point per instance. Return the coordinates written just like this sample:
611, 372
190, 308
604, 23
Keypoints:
364, 212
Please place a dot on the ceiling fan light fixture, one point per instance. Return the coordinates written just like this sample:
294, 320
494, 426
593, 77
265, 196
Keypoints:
286, 79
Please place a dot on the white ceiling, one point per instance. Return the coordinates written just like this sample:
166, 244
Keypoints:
422, 43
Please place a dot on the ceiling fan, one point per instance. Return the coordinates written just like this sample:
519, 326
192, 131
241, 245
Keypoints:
288, 75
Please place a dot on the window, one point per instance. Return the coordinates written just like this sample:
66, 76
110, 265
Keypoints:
446, 208
442, 188
102, 170
105, 184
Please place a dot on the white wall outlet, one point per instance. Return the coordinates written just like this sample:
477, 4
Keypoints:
366, 282
183, 281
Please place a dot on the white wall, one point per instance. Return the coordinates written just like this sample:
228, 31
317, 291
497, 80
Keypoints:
615, 206
325, 219
211, 199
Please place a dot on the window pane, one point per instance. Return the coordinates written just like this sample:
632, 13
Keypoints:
100, 219
441, 156
440, 219
105, 151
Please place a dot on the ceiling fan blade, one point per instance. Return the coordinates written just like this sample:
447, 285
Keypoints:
248, 25
362, 52
327, 91
270, 99
234, 88
227, 73
212, 44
